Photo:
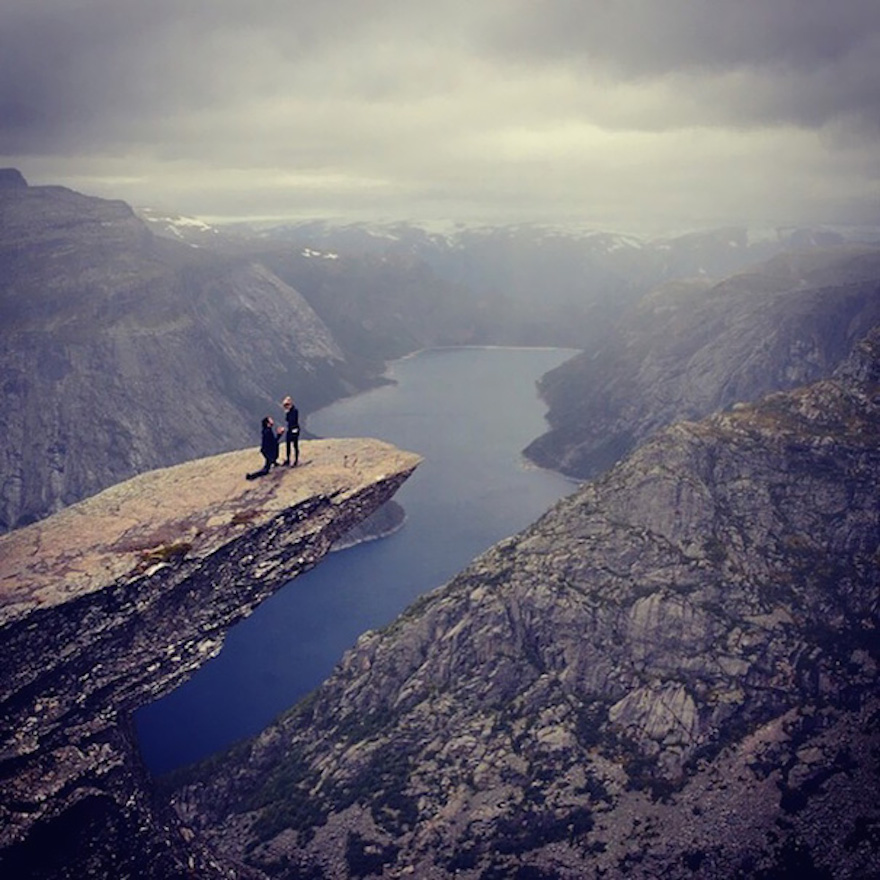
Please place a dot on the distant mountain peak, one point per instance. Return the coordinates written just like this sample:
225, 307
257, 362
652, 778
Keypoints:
12, 178
179, 227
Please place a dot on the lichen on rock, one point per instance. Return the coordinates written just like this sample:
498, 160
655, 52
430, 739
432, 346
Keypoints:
114, 602
646, 682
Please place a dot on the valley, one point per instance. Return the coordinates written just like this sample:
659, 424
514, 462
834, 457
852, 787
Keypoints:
673, 671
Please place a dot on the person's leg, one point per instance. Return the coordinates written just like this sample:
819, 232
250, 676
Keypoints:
295, 449
263, 471
287, 448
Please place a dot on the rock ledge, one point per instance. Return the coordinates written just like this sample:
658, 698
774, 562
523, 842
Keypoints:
114, 602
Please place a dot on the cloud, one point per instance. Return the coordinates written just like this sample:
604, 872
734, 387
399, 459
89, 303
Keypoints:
685, 111
635, 38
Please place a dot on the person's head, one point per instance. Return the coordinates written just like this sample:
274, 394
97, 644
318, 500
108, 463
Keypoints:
287, 403
267, 421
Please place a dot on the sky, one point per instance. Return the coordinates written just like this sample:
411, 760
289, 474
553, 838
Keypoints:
615, 114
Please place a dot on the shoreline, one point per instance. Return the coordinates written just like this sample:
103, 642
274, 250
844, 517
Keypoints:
384, 379
382, 523
342, 544
487, 347
376, 529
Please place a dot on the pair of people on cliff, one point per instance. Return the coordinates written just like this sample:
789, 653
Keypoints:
271, 437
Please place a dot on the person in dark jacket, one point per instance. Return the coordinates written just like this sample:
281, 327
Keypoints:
291, 413
268, 447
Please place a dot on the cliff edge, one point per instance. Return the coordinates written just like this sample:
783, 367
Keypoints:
116, 600
673, 673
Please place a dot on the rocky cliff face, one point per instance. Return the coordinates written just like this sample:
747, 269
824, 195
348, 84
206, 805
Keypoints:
692, 348
674, 673
115, 601
121, 352
12, 178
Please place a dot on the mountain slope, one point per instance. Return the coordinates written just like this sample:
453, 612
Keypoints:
117, 600
121, 352
537, 285
674, 673
692, 348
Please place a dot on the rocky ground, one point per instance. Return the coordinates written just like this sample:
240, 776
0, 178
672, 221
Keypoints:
674, 673
693, 347
114, 602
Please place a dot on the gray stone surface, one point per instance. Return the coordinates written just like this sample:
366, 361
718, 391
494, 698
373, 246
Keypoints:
693, 347
672, 674
114, 602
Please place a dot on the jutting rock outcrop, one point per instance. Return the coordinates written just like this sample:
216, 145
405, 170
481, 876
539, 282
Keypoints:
674, 673
116, 600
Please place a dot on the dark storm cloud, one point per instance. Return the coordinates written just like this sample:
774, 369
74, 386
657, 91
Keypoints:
697, 110
645, 37
807, 61
95, 69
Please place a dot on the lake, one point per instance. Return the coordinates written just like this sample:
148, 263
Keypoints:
469, 412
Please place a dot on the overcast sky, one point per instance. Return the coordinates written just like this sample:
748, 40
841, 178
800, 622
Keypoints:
619, 114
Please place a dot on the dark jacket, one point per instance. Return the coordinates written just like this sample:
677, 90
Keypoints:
269, 443
292, 416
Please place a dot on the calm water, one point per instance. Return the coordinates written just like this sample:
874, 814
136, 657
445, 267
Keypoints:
469, 413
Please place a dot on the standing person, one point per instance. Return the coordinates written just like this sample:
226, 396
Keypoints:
268, 447
292, 416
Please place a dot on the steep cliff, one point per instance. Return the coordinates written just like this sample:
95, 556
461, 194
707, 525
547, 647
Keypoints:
691, 348
674, 673
113, 602
121, 352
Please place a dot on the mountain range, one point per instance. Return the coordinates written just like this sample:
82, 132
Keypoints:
692, 347
133, 340
673, 673
538, 285
121, 352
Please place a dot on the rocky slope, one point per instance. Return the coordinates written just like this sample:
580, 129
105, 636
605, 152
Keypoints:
674, 673
692, 348
121, 352
115, 601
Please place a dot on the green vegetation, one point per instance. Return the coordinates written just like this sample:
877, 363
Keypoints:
524, 828
285, 800
715, 550
358, 728
591, 717
292, 798
500, 870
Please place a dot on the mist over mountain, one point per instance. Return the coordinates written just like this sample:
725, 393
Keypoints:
673, 673
692, 347
524, 284
135, 340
